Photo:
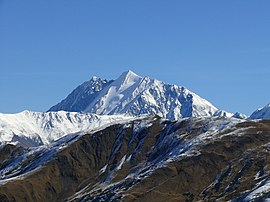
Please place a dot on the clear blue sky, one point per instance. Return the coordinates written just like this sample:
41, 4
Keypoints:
217, 49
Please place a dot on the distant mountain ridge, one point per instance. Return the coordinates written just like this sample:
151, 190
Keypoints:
134, 95
30, 129
261, 113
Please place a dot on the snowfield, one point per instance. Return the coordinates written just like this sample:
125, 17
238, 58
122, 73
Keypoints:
36, 128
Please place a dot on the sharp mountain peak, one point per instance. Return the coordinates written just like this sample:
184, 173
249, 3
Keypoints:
135, 95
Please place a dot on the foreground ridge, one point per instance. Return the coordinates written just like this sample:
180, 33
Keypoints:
146, 159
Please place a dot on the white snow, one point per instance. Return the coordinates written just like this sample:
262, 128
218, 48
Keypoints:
259, 191
135, 95
117, 91
121, 163
103, 169
222, 113
37, 128
239, 115
262, 113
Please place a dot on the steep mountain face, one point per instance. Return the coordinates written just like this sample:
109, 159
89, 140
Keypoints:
35, 128
134, 95
262, 113
82, 96
145, 159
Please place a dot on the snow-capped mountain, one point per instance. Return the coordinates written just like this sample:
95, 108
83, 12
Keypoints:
35, 128
262, 113
239, 115
82, 96
134, 95
222, 113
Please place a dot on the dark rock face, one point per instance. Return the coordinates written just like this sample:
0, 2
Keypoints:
9, 151
150, 160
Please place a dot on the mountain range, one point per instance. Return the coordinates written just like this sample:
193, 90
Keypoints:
30, 129
134, 139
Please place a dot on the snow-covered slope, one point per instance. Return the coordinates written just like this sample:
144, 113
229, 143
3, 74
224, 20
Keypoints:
222, 113
135, 95
262, 113
35, 128
82, 96
239, 115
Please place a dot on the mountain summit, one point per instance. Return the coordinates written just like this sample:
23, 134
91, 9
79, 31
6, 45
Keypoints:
261, 113
134, 95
